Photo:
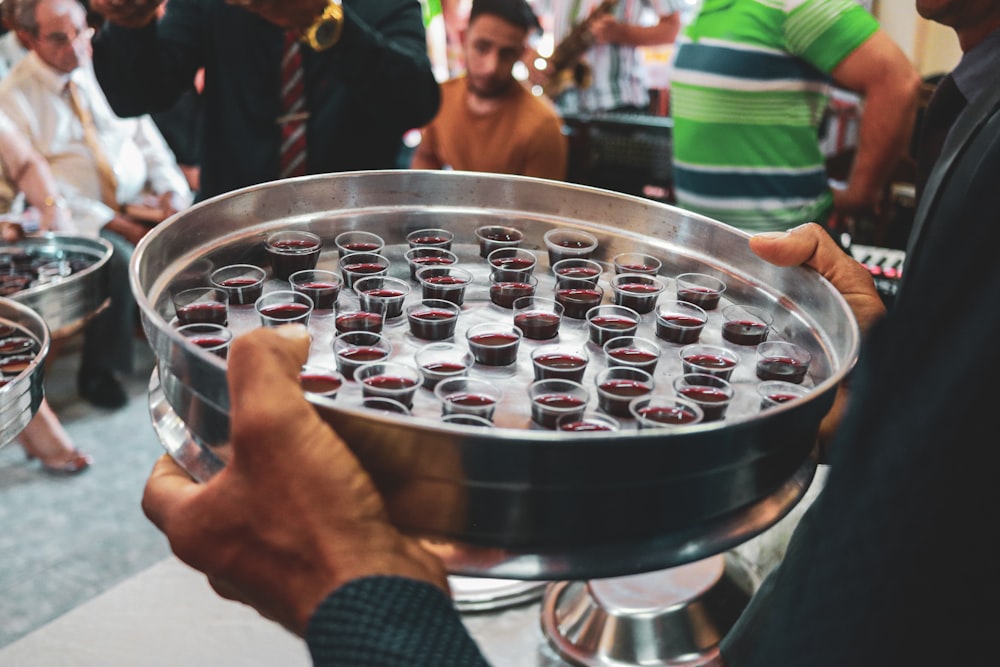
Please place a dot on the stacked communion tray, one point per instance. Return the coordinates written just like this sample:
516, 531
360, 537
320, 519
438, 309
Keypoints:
513, 496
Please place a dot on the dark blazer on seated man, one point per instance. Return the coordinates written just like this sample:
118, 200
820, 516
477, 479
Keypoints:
362, 93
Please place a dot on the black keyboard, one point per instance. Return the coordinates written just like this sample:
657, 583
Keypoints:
885, 265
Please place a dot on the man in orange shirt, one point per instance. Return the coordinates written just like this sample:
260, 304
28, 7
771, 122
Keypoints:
488, 121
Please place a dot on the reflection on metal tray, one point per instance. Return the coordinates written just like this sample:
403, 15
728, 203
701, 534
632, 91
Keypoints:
510, 502
21, 393
65, 301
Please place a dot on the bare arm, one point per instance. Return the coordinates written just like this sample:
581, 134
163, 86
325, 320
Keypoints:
607, 30
425, 156
30, 173
882, 74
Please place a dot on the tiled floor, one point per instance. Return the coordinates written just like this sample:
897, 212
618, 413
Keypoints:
63, 540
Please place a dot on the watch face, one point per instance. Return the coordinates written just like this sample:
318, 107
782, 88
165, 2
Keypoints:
326, 32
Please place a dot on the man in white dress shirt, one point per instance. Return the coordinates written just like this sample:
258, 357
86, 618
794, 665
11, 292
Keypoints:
107, 168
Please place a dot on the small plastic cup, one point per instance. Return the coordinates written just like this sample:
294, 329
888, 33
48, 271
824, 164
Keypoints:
292, 251
213, 338
358, 241
494, 344
562, 362
513, 259
638, 291
461, 419
354, 348
283, 307
569, 243
388, 379
588, 421
492, 237
388, 290
430, 238
432, 319
577, 296
632, 352
508, 286
776, 392
538, 318
358, 265
321, 382
712, 394
701, 289
444, 282
201, 305
680, 322
636, 262
244, 283
711, 359
419, 257
555, 398
607, 322
581, 269
781, 360
659, 411
468, 396
323, 287
355, 314
618, 386
385, 405
440, 361
745, 325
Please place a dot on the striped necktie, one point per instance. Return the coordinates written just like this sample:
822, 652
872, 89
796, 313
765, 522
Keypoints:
293, 109
105, 172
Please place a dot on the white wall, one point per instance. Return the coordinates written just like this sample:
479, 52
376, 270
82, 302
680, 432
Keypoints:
932, 47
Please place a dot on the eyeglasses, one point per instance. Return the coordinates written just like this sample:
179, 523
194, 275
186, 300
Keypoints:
60, 39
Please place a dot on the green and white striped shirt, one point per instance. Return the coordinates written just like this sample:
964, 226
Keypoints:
749, 86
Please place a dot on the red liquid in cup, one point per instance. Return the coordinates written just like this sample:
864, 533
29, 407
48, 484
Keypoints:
637, 268
433, 324
560, 402
537, 325
615, 395
707, 298
392, 300
377, 384
243, 290
605, 327
203, 313
207, 342
709, 362
15, 365
285, 311
559, 365
492, 240
744, 332
469, 400
353, 357
635, 357
360, 246
16, 345
777, 398
319, 383
637, 296
447, 288
494, 349
583, 272
435, 370
431, 241
576, 302
324, 294
365, 268
293, 255
358, 321
685, 329
663, 414
707, 394
512, 263
505, 294
581, 426
782, 368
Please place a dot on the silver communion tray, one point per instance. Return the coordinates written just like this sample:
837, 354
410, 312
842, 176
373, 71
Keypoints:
21, 393
514, 501
66, 299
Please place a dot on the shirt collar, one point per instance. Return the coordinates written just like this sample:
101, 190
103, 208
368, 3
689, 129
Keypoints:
976, 71
52, 79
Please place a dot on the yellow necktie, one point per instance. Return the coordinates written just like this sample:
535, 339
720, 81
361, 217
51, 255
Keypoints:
109, 183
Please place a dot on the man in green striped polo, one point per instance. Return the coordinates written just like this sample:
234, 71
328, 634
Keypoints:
750, 83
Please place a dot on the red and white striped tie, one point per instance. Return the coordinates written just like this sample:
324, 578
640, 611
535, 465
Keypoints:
293, 107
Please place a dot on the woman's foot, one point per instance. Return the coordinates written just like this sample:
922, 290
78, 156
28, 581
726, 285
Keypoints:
45, 439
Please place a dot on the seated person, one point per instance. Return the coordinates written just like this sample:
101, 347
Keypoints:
488, 121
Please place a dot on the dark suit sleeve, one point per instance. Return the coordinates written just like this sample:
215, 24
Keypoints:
390, 622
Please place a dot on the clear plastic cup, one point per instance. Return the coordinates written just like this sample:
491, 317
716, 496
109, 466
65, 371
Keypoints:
492, 237
776, 392
636, 262
323, 287
618, 386
320, 381
244, 283
385, 405
711, 359
745, 325
283, 307
469, 396
563, 243
388, 379
201, 305
711, 393
781, 360
440, 361
632, 352
354, 348
466, 420
637, 291
355, 314
608, 321
430, 238
432, 319
658, 411
358, 241
555, 398
701, 289
577, 296
507, 286
513, 259
419, 257
493, 343
565, 362
213, 338
444, 282
358, 265
578, 268
588, 421
391, 292
680, 322
291, 251
538, 318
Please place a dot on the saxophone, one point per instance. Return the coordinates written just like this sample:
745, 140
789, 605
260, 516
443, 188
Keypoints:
565, 65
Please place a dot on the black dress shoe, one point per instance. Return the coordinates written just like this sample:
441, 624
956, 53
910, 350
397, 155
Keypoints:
102, 389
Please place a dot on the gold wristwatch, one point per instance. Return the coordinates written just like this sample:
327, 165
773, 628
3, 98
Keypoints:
326, 29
